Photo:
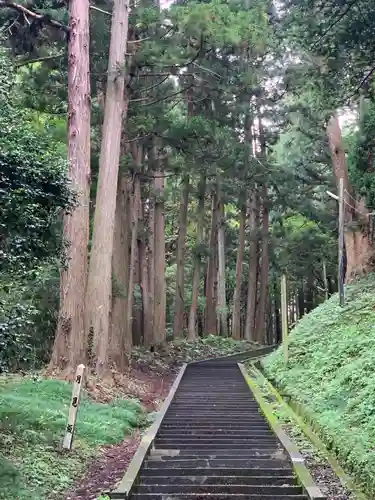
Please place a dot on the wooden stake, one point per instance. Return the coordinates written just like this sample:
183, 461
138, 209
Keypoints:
341, 243
68, 439
284, 317
325, 279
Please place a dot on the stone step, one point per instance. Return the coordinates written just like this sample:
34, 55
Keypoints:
218, 480
199, 496
217, 489
246, 463
217, 472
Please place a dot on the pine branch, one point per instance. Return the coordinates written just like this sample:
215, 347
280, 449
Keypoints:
39, 59
360, 85
168, 96
7, 4
151, 87
138, 138
139, 40
333, 23
100, 10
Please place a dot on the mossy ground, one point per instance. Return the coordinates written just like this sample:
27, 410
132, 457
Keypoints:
331, 372
33, 415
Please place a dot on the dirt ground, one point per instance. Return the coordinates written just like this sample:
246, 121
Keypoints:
109, 466
319, 468
105, 470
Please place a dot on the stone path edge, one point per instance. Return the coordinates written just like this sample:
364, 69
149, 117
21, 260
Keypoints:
125, 486
302, 472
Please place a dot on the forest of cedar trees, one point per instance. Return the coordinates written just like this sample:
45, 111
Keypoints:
163, 165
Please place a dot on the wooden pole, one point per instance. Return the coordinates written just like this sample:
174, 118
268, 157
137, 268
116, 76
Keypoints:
284, 317
341, 243
325, 279
68, 439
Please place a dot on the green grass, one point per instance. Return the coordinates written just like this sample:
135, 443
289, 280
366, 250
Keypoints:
331, 372
33, 416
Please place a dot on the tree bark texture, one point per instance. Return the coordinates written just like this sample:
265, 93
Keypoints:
159, 245
264, 268
151, 263
119, 343
98, 296
69, 346
133, 254
120, 340
301, 300
144, 283
221, 303
210, 310
137, 315
178, 324
277, 305
359, 250
253, 269
192, 330
236, 322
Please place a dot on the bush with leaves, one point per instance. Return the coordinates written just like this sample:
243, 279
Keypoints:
34, 194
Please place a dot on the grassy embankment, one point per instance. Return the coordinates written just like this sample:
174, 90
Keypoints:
33, 414
331, 373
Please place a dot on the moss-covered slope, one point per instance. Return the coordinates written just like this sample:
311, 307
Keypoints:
331, 372
33, 415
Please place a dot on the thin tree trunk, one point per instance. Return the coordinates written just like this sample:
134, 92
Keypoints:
332, 288
69, 346
253, 270
137, 321
221, 303
309, 302
192, 332
301, 301
277, 300
210, 311
120, 340
98, 295
160, 286
274, 318
236, 324
180, 272
262, 305
144, 285
269, 321
325, 279
133, 254
151, 266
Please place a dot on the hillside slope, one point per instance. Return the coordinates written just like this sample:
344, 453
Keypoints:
331, 372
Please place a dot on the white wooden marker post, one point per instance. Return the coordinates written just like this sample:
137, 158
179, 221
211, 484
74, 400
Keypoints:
68, 439
325, 279
284, 317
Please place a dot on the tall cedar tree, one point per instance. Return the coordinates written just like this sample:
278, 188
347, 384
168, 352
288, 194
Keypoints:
99, 283
69, 345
